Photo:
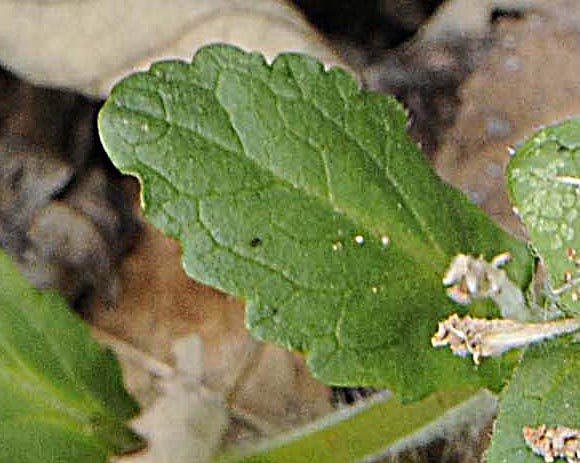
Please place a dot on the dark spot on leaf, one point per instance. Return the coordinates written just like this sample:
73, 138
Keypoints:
255, 242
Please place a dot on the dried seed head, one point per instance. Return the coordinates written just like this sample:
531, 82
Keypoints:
551, 443
484, 338
471, 278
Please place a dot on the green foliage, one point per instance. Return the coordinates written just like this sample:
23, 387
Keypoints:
542, 178
61, 394
541, 182
543, 390
293, 188
371, 429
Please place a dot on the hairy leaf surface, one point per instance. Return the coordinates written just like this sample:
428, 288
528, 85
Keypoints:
294, 189
544, 181
543, 390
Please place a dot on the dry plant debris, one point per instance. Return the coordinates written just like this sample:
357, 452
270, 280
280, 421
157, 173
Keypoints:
552, 443
484, 338
187, 421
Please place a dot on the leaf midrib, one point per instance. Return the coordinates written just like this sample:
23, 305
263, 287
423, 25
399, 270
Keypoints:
429, 239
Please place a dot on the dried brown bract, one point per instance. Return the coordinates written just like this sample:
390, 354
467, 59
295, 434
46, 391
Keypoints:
483, 338
552, 443
471, 278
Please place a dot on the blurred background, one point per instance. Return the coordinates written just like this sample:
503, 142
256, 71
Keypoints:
477, 76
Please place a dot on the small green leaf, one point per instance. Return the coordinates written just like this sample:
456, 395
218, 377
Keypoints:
61, 395
372, 428
541, 178
545, 389
293, 188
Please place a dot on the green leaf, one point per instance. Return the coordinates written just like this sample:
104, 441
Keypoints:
372, 428
293, 188
545, 389
61, 394
541, 183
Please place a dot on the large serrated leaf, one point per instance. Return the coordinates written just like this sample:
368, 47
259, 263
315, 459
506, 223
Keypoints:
291, 187
544, 390
544, 183
61, 394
